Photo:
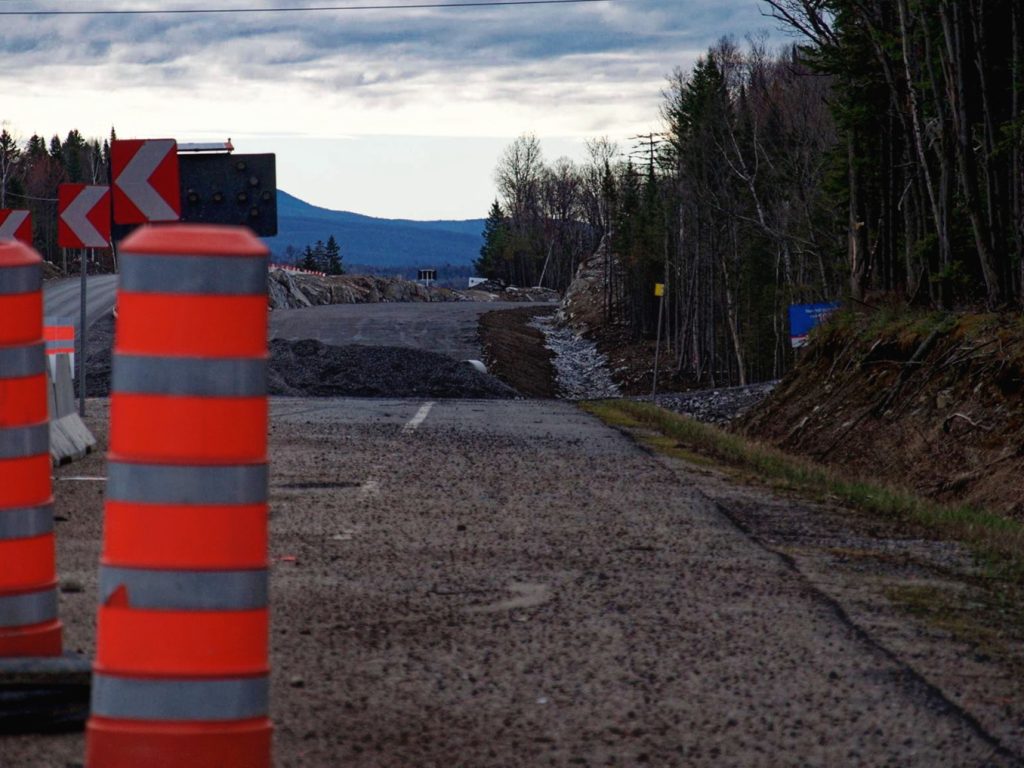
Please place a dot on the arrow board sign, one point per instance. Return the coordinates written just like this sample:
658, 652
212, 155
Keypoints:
146, 186
84, 216
16, 225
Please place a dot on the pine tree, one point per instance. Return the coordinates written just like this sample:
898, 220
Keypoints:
332, 254
320, 256
309, 260
493, 253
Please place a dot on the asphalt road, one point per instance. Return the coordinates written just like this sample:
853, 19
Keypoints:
61, 298
511, 583
449, 328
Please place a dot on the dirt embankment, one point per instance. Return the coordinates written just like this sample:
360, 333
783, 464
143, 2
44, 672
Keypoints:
935, 403
514, 350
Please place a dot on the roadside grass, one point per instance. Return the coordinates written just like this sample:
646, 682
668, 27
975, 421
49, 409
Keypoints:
996, 541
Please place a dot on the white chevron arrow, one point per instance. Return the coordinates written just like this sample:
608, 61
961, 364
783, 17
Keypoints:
9, 227
75, 216
134, 180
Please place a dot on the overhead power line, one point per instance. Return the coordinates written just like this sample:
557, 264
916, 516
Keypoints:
307, 9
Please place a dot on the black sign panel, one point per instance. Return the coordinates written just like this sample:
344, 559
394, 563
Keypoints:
230, 189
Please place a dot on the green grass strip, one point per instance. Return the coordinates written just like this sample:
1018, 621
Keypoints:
997, 541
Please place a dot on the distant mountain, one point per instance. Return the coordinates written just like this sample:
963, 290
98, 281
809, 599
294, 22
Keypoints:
380, 243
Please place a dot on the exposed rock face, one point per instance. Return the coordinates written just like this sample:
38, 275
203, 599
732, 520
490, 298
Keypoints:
583, 305
288, 290
293, 290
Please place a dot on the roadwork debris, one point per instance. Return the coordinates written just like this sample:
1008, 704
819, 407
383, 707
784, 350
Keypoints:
309, 368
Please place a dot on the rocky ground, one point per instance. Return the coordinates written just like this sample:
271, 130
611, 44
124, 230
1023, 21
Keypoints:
296, 290
533, 352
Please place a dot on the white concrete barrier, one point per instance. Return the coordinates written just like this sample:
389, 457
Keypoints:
70, 439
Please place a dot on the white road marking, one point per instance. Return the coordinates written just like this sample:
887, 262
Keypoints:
418, 419
83, 478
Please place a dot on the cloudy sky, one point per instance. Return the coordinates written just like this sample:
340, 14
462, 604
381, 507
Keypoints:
387, 112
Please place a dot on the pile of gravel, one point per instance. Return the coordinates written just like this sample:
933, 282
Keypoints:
308, 368
581, 372
311, 369
716, 406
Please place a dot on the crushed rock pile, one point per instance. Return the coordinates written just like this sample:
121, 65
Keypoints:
308, 368
312, 369
581, 371
716, 406
288, 290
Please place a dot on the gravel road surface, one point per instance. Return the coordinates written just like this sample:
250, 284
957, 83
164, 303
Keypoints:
510, 583
449, 328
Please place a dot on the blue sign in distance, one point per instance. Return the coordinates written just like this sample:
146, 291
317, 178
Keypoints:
804, 317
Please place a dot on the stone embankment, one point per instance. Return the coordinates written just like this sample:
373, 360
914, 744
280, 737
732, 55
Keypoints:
289, 290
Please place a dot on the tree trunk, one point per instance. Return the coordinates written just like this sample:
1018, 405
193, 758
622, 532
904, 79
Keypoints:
858, 247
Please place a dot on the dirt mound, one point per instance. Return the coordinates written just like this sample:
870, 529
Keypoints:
933, 402
515, 351
310, 368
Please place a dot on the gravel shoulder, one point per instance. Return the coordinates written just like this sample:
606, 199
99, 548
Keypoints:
514, 584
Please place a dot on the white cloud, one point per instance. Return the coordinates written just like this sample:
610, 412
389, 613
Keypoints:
559, 71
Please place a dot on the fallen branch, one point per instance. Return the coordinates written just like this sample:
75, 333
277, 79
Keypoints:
949, 420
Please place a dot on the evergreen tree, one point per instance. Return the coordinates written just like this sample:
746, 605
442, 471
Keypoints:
309, 260
492, 263
10, 157
320, 256
332, 254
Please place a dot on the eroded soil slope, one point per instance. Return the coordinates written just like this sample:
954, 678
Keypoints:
928, 402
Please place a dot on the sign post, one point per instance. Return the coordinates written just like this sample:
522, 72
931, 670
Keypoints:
83, 222
659, 291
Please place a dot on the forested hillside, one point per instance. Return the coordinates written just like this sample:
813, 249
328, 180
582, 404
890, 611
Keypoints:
387, 244
882, 152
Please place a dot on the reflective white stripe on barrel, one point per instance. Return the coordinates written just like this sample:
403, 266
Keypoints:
170, 484
21, 442
189, 376
187, 590
205, 275
26, 522
16, 362
24, 279
28, 608
217, 700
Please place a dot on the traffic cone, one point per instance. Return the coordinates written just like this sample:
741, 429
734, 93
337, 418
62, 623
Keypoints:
181, 673
28, 575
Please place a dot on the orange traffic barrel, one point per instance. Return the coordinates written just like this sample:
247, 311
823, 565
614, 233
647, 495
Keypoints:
181, 672
28, 574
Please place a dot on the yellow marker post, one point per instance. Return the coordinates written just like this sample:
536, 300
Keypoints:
659, 291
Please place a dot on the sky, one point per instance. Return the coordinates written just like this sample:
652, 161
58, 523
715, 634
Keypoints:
399, 113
